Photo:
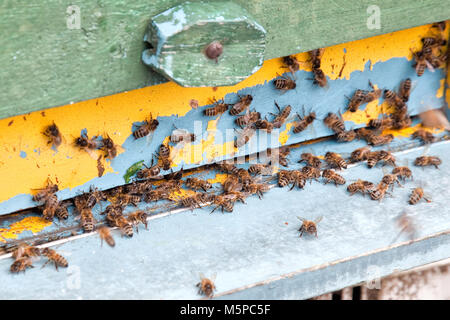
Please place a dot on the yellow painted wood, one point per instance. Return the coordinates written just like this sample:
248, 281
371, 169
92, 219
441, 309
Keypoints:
114, 115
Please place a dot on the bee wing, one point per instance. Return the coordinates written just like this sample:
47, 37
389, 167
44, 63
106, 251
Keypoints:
201, 275
213, 277
301, 219
149, 138
318, 219
429, 65
92, 154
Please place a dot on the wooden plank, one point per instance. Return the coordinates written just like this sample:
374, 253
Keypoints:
46, 63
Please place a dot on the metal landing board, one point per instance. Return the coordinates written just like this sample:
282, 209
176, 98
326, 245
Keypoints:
256, 251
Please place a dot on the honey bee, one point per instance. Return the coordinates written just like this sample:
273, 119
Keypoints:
46, 192
164, 157
356, 100
26, 251
427, 161
383, 123
126, 199
21, 264
244, 136
56, 258
170, 185
311, 160
437, 61
422, 62
380, 140
316, 57
393, 98
405, 90
402, 172
54, 135
155, 195
264, 124
282, 116
206, 286
50, 206
360, 154
303, 123
309, 226
402, 122
248, 118
346, 136
84, 143
149, 173
311, 173
417, 194
122, 223
264, 169
61, 212
241, 105
244, 176
181, 135
297, 178
376, 156
335, 160
439, 25
219, 108
256, 188
87, 220
223, 202
284, 83
406, 224
379, 192
331, 176
232, 183
137, 217
227, 167
360, 186
109, 147
372, 95
364, 133
319, 75
284, 178
319, 78
334, 122
291, 63
105, 234
146, 128
390, 180
196, 200
93, 197
433, 42
100, 167
282, 153
424, 135
197, 184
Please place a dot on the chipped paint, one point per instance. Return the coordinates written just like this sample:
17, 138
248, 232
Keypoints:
440, 92
33, 224
407, 132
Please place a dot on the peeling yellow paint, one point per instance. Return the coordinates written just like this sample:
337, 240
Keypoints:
440, 92
219, 178
115, 114
33, 224
407, 132
284, 135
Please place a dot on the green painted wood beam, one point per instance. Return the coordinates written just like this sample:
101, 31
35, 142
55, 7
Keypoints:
47, 59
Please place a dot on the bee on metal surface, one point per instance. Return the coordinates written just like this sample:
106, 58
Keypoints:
181, 135
309, 226
291, 63
46, 192
346, 136
206, 286
311, 160
376, 156
197, 184
248, 118
360, 186
223, 202
105, 235
54, 135
21, 264
331, 176
390, 180
50, 206
356, 100
54, 257
146, 128
360, 154
405, 90
137, 217
241, 105
297, 178
427, 161
284, 83
218, 108
227, 167
149, 173
311, 173
232, 183
334, 122
264, 124
87, 220
303, 123
244, 136
424, 135
26, 251
402, 172
379, 192
380, 140
109, 147
122, 223
85, 143
164, 157
282, 116
263, 169
381, 124
416, 195
335, 160
284, 178
257, 188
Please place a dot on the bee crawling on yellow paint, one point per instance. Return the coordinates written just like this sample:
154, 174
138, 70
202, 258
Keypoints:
146, 128
54, 135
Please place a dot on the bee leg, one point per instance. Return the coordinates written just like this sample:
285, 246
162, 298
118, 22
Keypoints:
45, 264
